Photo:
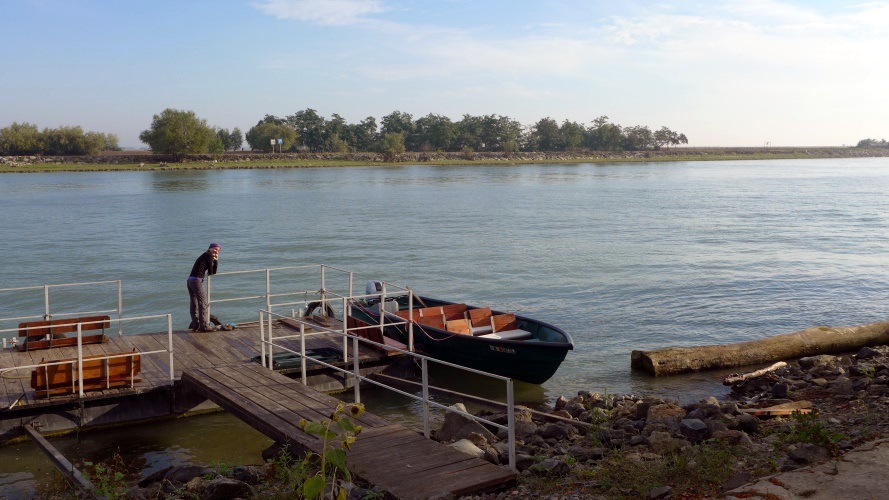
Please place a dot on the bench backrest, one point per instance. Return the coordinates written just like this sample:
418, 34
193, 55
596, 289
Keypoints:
95, 368
503, 322
454, 311
480, 317
62, 326
429, 311
369, 332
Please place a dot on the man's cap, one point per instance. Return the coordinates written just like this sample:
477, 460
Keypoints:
214, 245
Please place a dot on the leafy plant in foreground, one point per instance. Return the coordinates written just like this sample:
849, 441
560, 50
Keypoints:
333, 450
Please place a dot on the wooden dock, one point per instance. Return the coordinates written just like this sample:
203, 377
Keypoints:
390, 456
220, 367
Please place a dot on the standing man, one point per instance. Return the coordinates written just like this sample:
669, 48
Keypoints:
200, 313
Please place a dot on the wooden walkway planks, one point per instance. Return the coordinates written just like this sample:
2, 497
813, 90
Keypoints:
387, 455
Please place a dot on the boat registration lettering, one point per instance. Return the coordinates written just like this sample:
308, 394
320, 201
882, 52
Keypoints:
506, 350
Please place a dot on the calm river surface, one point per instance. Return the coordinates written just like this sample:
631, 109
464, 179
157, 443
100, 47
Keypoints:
622, 256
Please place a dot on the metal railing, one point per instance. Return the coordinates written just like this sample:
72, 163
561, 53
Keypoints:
78, 361
268, 338
47, 312
268, 295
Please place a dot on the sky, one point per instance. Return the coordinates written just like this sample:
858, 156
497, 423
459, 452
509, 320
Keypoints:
723, 72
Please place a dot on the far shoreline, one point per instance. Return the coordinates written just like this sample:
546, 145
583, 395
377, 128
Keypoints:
123, 161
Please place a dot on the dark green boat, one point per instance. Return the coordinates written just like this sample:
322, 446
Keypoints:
513, 346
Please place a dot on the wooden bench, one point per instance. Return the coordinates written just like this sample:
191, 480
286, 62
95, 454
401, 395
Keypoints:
454, 311
480, 320
99, 373
51, 333
460, 326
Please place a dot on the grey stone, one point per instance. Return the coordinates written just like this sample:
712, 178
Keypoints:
560, 403
737, 480
523, 461
695, 430
185, 473
748, 423
223, 488
552, 467
583, 454
662, 442
820, 360
661, 492
558, 430
867, 353
779, 391
807, 453
246, 474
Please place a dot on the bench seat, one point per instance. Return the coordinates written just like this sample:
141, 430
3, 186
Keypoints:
508, 335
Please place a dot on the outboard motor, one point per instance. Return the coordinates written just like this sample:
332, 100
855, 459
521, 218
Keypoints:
376, 288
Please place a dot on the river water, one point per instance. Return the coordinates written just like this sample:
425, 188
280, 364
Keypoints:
622, 256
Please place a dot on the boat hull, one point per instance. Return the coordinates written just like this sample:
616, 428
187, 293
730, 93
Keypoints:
534, 360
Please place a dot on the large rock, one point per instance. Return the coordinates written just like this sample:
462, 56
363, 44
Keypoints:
223, 488
457, 426
466, 446
695, 430
185, 473
666, 412
558, 430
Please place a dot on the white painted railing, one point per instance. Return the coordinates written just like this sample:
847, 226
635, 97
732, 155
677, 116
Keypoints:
47, 310
78, 361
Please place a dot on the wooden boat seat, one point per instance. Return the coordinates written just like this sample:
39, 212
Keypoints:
503, 322
435, 321
460, 326
508, 335
454, 311
51, 333
480, 320
372, 332
99, 373
428, 311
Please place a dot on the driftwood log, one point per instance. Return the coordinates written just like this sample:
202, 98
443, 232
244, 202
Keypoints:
808, 342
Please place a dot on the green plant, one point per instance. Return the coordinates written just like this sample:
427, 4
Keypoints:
108, 479
333, 450
808, 428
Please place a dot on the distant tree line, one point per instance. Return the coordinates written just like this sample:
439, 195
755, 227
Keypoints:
307, 131
873, 143
21, 139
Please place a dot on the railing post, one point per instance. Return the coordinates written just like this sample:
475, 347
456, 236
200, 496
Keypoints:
209, 301
424, 373
262, 339
271, 342
268, 290
46, 314
170, 344
410, 322
119, 308
80, 357
355, 368
345, 336
510, 422
302, 349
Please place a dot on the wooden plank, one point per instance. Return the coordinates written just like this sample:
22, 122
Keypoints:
59, 460
273, 425
295, 395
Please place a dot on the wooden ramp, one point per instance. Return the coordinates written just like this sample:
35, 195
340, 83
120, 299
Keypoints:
387, 455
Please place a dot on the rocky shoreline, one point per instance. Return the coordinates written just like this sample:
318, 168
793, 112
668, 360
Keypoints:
597, 445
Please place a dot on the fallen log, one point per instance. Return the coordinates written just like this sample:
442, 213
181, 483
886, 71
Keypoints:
734, 379
808, 342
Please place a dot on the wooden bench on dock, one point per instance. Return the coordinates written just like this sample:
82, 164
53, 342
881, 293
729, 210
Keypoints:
51, 333
100, 372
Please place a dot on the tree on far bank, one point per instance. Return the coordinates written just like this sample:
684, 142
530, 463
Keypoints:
21, 139
178, 132
260, 136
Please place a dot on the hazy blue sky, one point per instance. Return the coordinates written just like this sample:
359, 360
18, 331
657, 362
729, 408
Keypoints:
725, 73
